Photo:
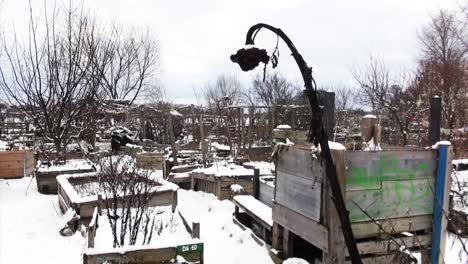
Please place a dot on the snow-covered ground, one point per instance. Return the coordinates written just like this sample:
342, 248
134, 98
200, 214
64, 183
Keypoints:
30, 224
224, 241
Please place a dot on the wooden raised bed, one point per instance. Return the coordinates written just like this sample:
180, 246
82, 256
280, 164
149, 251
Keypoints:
191, 250
68, 197
46, 175
150, 160
219, 183
16, 164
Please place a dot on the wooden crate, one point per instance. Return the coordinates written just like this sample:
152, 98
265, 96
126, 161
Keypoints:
16, 164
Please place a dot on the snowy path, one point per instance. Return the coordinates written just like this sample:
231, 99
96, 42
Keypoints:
29, 226
224, 241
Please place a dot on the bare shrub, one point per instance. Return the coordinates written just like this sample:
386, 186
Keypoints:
127, 192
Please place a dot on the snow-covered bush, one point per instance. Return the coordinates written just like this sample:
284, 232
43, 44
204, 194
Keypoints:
129, 191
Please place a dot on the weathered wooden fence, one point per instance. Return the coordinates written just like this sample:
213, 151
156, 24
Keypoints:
16, 164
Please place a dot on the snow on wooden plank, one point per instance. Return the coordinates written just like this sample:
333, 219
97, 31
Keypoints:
256, 208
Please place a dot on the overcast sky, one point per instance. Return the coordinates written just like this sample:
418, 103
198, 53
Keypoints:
197, 36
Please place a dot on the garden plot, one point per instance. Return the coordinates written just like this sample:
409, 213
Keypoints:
46, 173
159, 237
83, 192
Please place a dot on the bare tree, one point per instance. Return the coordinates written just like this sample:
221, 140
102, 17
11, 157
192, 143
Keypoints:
344, 97
154, 94
226, 89
442, 65
393, 100
127, 192
274, 90
130, 62
374, 84
48, 77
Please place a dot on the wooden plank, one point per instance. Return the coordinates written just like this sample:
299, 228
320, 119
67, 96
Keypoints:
159, 255
387, 246
302, 195
266, 194
366, 170
277, 236
253, 215
392, 225
336, 244
394, 199
385, 259
288, 243
299, 162
11, 173
307, 229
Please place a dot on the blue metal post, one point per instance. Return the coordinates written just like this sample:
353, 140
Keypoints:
439, 196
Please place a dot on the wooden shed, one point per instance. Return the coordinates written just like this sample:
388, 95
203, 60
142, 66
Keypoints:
390, 196
16, 164
219, 180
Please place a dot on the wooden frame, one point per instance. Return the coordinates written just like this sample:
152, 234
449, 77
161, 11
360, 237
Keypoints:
141, 254
220, 185
396, 206
68, 197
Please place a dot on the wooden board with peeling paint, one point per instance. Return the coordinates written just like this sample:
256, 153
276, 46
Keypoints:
389, 184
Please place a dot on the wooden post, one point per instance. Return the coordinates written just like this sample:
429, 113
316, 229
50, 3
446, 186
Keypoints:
192, 112
336, 244
142, 123
441, 204
277, 237
434, 120
195, 230
256, 184
99, 205
228, 132
218, 188
174, 200
288, 243
327, 99
251, 117
202, 140
273, 119
172, 139
242, 137
239, 133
